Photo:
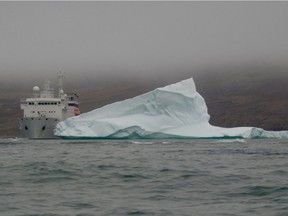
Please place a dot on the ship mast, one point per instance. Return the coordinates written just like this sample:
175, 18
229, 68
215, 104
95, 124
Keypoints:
60, 83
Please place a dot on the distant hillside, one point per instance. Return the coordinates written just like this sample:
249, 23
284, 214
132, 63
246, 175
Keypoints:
249, 97
252, 97
10, 113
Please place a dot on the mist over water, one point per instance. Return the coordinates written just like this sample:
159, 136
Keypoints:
143, 177
135, 40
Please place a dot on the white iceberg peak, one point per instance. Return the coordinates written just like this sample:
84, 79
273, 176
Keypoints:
186, 87
173, 111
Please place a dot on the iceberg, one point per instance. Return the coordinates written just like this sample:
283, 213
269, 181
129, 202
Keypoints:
175, 111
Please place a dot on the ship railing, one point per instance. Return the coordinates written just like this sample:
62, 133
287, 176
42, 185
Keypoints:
23, 100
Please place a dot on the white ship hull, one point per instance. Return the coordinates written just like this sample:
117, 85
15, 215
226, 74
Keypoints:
38, 128
45, 109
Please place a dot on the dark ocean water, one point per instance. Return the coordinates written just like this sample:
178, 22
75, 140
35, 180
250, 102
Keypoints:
163, 177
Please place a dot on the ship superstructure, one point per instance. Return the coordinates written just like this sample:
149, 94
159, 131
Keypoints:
45, 109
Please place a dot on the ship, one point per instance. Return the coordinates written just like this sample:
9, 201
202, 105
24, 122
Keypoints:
45, 109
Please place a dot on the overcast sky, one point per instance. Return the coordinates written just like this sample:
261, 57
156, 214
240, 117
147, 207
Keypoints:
140, 38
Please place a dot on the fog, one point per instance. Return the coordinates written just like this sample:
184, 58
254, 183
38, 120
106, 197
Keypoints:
138, 40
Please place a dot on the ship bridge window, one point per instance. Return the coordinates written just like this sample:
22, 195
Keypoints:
47, 103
